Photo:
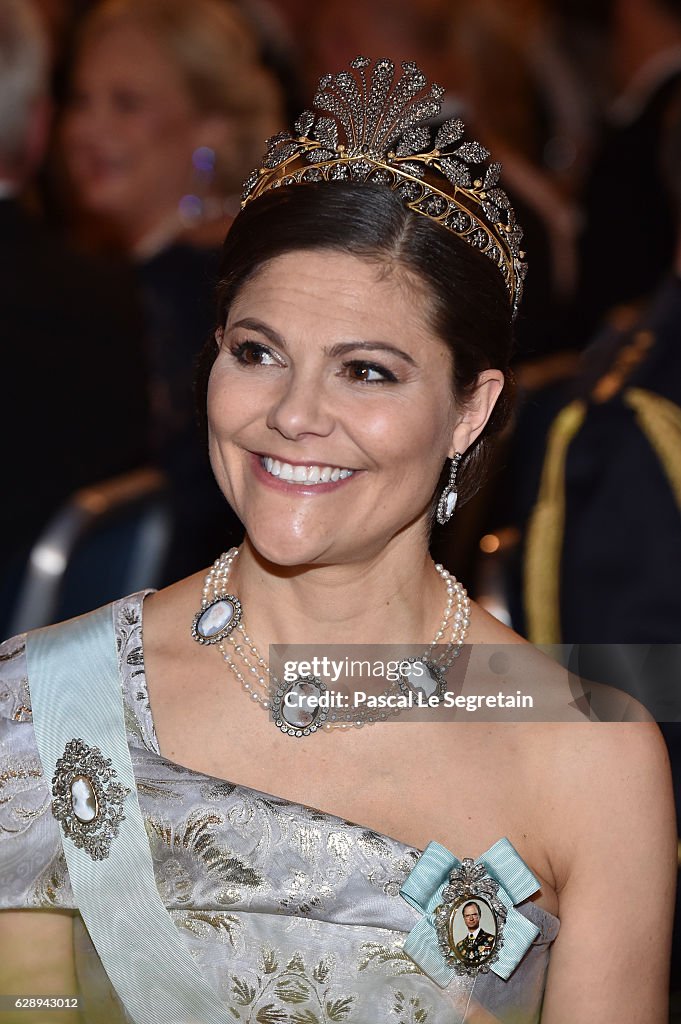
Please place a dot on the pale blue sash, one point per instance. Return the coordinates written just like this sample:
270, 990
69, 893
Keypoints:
76, 694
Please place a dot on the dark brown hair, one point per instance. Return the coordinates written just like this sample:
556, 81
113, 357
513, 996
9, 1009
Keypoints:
470, 307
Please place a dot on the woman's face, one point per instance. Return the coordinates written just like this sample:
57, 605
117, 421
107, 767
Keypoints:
130, 130
330, 408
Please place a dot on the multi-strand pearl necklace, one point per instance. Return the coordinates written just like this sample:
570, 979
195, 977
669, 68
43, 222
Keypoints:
219, 622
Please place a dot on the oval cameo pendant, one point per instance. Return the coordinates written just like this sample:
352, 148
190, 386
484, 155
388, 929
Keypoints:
217, 620
84, 799
417, 675
301, 707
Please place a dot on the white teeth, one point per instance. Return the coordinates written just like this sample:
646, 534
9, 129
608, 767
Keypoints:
304, 474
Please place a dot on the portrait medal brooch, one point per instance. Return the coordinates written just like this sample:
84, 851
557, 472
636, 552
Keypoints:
469, 922
87, 801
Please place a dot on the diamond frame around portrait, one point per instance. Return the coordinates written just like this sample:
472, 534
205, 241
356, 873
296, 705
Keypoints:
82, 761
468, 882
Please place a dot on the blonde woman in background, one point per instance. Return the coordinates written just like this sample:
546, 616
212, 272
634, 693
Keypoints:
168, 108
169, 100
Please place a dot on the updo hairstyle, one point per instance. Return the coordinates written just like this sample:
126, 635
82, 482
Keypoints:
469, 305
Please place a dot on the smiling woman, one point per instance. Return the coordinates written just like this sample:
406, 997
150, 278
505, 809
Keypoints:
357, 372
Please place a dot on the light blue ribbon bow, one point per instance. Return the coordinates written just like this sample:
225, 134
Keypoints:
423, 889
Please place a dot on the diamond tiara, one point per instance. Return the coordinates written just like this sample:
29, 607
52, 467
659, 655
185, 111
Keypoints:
373, 130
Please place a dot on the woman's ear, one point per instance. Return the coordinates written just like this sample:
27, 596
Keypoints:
478, 408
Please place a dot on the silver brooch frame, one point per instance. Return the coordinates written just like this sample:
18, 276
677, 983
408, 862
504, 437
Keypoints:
308, 721
224, 631
434, 671
470, 885
83, 774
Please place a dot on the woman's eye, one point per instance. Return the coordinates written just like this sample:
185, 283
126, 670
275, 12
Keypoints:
369, 373
251, 353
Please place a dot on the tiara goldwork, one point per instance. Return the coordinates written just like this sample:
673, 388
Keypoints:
377, 133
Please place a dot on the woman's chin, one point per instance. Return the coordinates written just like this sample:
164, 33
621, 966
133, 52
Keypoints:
288, 550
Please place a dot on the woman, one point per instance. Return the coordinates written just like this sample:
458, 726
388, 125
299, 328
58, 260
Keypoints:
361, 344
168, 108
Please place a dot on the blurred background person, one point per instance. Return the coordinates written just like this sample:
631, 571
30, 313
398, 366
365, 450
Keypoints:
73, 409
605, 541
632, 53
168, 109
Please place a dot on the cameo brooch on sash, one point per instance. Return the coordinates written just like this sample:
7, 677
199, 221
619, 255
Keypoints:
86, 799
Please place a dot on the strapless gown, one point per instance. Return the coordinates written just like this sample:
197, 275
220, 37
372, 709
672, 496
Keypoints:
294, 915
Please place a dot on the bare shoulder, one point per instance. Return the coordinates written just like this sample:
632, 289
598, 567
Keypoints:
555, 692
610, 781
485, 629
167, 613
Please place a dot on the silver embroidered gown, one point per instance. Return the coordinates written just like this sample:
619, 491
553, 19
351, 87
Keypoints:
294, 915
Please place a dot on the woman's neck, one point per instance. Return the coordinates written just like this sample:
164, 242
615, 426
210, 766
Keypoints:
394, 597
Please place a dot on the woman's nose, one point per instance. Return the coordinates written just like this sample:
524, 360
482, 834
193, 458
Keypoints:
301, 407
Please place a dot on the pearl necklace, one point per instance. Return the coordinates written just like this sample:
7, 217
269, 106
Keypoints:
220, 618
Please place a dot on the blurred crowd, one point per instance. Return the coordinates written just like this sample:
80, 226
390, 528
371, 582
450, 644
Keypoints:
126, 128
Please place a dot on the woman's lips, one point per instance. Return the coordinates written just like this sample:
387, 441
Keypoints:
318, 477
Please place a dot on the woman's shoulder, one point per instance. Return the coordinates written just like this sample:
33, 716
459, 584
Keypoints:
546, 677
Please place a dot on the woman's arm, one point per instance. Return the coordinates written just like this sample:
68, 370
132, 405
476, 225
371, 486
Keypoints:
36, 958
615, 835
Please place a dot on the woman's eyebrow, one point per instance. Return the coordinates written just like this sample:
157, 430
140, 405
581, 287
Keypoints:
342, 348
374, 346
250, 324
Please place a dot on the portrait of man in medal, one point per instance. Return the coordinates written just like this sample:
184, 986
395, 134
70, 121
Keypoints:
471, 940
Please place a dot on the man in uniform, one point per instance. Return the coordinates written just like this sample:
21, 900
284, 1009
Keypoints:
478, 945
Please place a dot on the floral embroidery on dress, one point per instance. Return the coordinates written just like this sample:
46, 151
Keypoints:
15, 699
214, 926
191, 857
409, 1009
289, 993
378, 956
53, 886
128, 623
23, 794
